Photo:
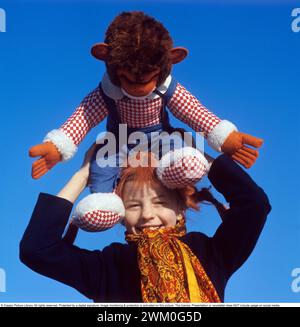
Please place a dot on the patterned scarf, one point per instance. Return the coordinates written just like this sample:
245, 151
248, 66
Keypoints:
170, 272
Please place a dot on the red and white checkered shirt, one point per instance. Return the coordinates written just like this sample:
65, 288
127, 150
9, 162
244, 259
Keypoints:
139, 113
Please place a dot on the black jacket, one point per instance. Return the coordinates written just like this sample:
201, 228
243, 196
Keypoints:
112, 275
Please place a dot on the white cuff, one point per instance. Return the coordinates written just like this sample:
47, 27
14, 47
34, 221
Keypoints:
219, 134
64, 144
100, 201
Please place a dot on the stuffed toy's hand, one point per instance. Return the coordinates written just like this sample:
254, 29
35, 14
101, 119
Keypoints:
235, 146
50, 156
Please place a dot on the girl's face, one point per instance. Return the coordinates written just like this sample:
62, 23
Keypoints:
149, 207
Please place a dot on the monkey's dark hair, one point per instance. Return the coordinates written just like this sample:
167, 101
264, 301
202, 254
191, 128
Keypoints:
138, 43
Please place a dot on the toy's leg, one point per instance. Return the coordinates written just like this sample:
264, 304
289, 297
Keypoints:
182, 166
103, 179
102, 209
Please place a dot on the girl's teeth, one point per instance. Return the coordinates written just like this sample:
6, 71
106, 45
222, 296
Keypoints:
150, 228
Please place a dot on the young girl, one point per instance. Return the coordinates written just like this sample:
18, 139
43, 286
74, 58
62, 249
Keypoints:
160, 262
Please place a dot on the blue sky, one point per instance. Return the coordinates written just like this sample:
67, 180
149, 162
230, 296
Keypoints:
243, 65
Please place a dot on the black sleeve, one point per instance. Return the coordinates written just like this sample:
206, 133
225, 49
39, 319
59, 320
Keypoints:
43, 250
242, 224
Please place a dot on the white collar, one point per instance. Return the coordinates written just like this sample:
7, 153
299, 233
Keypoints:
117, 93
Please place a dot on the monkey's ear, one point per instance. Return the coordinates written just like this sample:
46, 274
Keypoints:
178, 54
100, 51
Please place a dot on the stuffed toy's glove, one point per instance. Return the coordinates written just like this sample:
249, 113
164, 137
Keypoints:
50, 156
234, 145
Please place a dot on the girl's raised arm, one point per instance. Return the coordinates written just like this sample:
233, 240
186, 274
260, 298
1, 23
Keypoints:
79, 180
243, 222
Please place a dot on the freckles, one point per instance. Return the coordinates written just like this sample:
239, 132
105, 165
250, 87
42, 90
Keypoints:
131, 217
168, 217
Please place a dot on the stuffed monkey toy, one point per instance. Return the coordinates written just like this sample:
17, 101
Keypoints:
136, 88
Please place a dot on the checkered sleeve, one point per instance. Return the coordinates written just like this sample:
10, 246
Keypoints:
91, 111
191, 111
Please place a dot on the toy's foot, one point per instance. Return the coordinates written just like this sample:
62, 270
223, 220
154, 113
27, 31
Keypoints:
182, 167
99, 211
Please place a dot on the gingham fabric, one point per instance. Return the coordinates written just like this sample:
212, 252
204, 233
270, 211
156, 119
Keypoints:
139, 113
91, 111
185, 171
97, 220
188, 109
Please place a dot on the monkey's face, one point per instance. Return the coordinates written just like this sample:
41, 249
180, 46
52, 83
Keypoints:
138, 85
138, 53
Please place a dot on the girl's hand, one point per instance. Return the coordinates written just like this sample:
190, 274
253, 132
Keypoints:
85, 167
79, 180
209, 159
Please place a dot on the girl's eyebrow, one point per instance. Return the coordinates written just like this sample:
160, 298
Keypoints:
159, 196
154, 198
131, 200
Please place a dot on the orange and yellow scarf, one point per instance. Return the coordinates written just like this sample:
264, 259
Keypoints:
170, 272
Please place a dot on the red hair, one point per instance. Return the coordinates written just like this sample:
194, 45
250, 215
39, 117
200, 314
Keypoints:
188, 196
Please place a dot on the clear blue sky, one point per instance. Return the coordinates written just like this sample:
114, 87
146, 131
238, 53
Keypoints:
243, 65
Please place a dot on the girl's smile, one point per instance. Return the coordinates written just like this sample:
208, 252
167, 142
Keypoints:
149, 207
